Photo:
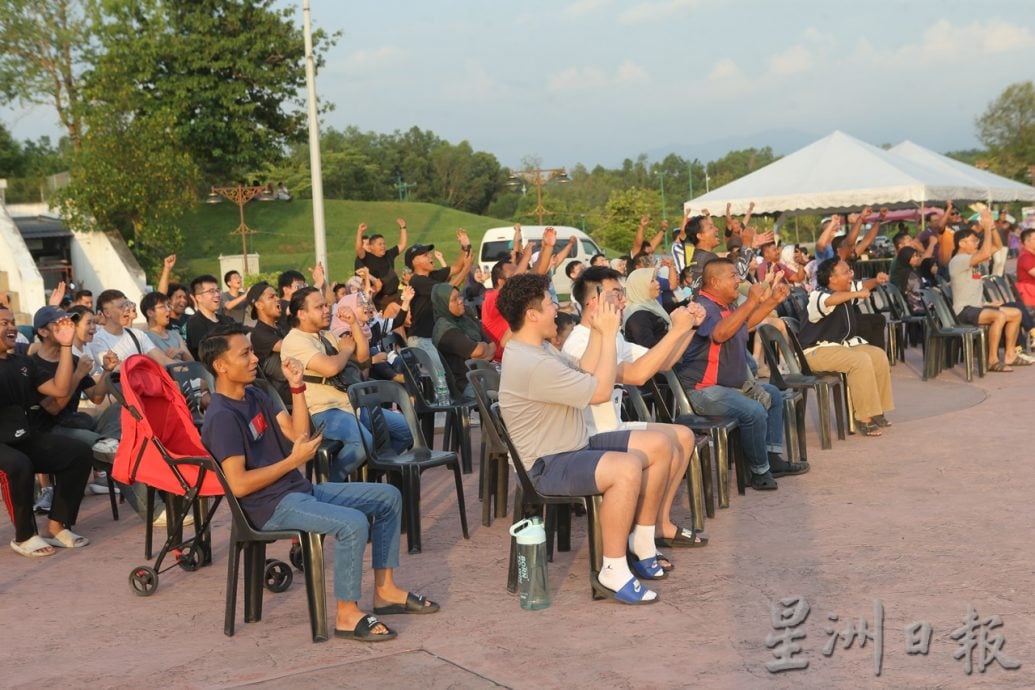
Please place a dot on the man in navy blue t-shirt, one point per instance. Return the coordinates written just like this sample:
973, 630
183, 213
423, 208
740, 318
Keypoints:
260, 451
714, 369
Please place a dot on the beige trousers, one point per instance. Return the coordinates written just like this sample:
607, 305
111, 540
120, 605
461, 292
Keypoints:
869, 375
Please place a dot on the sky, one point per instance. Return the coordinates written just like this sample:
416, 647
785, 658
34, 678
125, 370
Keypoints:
598, 81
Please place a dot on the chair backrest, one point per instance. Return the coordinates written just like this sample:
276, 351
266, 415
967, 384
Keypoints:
483, 364
1008, 287
186, 375
486, 384
417, 370
496, 419
799, 354
680, 402
880, 301
799, 301
777, 349
939, 308
638, 404
897, 301
943, 285
990, 290
371, 396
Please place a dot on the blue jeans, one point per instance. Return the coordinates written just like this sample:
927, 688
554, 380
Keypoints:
761, 430
342, 426
342, 511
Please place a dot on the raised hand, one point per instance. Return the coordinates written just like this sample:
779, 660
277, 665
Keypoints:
882, 278
362, 228
292, 370
682, 319
608, 320
168, 262
757, 292
317, 273
347, 315
549, 237
109, 361
761, 238
644, 221
697, 312
401, 223
407, 294
64, 331
461, 235
58, 294
781, 292
85, 365
883, 215
440, 256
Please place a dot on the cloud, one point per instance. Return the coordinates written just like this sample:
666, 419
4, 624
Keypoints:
723, 70
378, 57
655, 11
589, 78
581, 8
946, 44
794, 60
476, 84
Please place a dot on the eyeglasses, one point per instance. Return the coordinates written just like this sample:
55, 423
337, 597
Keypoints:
210, 291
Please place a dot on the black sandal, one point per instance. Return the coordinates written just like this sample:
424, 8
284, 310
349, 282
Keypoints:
364, 631
868, 428
881, 421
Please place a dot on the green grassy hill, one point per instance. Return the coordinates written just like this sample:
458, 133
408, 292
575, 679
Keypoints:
284, 232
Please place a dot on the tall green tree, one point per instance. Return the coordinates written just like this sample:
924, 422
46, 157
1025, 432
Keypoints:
624, 209
230, 72
43, 49
1007, 128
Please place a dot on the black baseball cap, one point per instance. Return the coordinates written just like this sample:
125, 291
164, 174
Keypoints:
49, 314
416, 250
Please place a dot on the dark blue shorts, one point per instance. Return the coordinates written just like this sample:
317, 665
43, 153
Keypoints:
573, 473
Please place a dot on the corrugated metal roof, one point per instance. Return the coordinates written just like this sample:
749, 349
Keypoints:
41, 227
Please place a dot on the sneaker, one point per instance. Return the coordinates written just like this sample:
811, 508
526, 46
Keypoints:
782, 468
162, 519
99, 485
45, 500
106, 447
763, 482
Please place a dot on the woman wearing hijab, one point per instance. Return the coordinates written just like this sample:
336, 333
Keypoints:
458, 337
646, 321
907, 280
380, 368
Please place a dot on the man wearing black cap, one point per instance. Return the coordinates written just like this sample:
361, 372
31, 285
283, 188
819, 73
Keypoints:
425, 278
26, 450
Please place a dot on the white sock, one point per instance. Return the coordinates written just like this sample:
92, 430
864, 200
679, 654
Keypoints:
614, 573
641, 542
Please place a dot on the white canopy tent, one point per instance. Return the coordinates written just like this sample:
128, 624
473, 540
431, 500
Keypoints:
838, 173
998, 188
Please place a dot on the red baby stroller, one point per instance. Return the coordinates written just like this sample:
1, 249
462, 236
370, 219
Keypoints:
159, 441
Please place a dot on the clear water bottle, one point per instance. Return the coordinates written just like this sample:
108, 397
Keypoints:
442, 398
533, 589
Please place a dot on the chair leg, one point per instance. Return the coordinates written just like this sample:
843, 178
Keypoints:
722, 461
709, 478
254, 572
461, 505
596, 544
562, 523
150, 526
112, 497
463, 431
486, 484
232, 566
695, 489
790, 431
502, 484
315, 591
411, 479
840, 411
823, 403
799, 420
739, 464
968, 356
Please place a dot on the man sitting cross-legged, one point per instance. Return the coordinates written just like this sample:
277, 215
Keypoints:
542, 395
260, 451
636, 365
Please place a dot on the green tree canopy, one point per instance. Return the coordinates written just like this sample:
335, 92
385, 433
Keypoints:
1007, 128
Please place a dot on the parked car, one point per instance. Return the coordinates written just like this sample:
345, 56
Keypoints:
497, 243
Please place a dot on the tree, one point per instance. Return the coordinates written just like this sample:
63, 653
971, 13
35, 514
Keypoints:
43, 47
130, 175
1007, 128
230, 72
624, 210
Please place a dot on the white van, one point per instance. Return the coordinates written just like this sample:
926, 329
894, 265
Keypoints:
498, 242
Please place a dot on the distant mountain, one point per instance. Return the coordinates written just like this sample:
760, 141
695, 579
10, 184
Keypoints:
783, 141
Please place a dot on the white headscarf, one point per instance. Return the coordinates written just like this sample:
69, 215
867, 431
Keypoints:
638, 297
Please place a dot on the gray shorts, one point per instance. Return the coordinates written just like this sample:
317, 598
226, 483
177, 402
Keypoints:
972, 315
573, 473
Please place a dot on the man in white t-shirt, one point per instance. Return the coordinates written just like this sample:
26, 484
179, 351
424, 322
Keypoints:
636, 365
124, 341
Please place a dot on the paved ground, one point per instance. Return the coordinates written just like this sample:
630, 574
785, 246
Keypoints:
929, 519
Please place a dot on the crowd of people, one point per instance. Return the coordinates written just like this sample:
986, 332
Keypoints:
690, 311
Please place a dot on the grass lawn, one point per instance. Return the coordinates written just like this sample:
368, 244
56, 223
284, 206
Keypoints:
283, 234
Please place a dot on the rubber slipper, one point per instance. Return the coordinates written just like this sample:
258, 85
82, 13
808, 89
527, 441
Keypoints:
688, 538
1018, 363
67, 539
881, 421
868, 428
415, 603
632, 593
646, 568
364, 631
999, 368
33, 547
664, 562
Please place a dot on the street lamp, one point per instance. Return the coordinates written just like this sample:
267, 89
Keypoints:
240, 195
664, 209
537, 177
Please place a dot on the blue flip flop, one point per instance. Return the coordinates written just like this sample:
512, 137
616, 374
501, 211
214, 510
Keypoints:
648, 568
632, 593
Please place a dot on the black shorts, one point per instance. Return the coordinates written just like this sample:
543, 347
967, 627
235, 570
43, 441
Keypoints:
573, 473
972, 315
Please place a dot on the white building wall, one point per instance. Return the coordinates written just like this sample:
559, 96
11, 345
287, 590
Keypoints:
102, 261
15, 260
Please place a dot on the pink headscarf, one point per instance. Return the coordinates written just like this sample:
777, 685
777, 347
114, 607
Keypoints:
351, 302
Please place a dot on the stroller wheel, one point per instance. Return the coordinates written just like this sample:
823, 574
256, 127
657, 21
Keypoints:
278, 576
296, 556
190, 560
143, 580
